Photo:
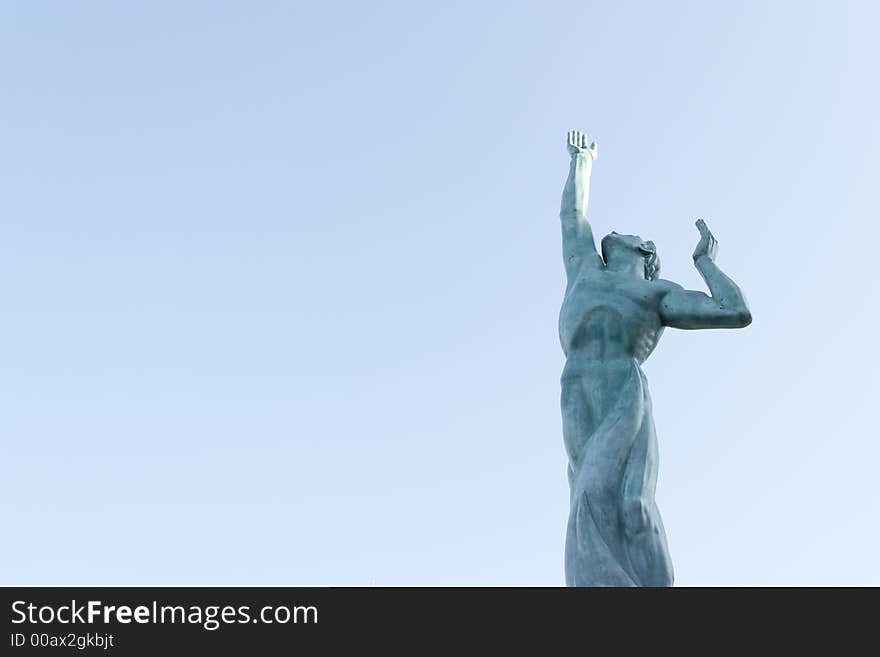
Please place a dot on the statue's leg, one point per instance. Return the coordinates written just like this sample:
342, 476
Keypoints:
595, 552
645, 535
581, 547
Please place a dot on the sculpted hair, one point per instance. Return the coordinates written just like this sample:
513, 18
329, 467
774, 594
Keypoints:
652, 260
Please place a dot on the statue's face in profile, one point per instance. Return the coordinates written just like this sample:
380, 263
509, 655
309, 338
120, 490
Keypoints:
615, 242
628, 251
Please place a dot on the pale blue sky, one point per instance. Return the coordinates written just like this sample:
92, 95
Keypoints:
279, 285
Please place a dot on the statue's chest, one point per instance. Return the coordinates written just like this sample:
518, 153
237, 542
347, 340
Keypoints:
599, 311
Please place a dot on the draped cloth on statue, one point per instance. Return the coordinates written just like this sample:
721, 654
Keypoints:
615, 536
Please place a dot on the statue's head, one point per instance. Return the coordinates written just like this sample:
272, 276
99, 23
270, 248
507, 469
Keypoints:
627, 250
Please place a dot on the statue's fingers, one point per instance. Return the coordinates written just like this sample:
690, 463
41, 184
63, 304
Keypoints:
584, 140
701, 226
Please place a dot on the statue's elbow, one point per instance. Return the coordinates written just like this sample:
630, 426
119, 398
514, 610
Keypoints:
743, 318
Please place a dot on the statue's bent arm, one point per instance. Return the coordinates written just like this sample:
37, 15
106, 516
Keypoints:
688, 309
578, 244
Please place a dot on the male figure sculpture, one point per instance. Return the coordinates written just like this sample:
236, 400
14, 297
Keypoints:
615, 309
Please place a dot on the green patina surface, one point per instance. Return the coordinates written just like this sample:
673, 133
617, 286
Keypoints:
614, 311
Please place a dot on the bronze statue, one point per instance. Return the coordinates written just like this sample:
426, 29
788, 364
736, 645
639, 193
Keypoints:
615, 309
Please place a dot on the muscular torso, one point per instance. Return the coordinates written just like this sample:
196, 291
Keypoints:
609, 317
608, 321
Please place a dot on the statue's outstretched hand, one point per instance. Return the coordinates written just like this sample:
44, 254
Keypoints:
708, 245
578, 143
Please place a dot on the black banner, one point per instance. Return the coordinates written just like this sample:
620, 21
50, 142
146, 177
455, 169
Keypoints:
269, 620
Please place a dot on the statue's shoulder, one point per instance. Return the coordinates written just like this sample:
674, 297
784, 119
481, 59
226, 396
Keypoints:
589, 277
664, 286
657, 289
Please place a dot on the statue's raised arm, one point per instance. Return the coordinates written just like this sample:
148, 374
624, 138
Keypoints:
578, 244
688, 309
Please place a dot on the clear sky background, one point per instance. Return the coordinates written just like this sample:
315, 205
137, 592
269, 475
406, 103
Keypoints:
279, 285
